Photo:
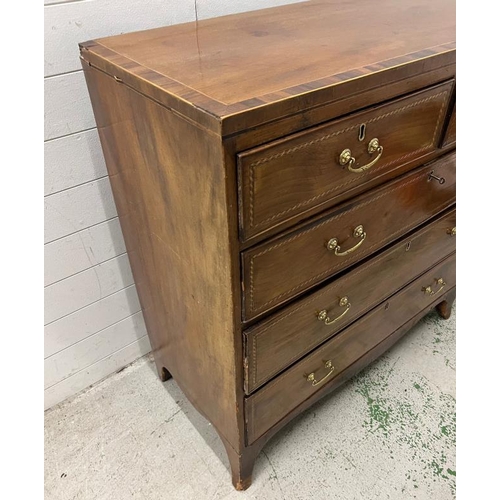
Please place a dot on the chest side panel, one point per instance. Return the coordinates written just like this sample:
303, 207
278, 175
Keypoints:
169, 186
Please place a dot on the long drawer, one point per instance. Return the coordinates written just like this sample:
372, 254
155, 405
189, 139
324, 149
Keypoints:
305, 172
283, 268
276, 399
277, 342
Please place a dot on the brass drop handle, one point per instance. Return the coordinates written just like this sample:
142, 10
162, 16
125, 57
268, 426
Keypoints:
428, 289
323, 315
311, 377
452, 231
334, 246
346, 157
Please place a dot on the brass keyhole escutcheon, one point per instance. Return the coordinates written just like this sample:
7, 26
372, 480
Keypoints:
362, 132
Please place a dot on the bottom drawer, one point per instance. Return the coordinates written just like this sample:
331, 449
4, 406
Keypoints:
275, 400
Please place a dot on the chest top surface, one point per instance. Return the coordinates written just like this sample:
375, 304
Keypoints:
236, 63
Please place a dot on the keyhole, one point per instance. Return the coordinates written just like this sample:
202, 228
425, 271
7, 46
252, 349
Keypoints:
408, 245
362, 132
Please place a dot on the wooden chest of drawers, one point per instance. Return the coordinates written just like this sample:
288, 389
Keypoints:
285, 182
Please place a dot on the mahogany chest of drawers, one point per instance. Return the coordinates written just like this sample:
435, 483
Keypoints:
285, 182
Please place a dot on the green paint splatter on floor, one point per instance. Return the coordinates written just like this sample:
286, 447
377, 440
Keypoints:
413, 415
443, 338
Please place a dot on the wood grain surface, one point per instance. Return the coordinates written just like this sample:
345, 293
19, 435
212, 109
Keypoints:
279, 397
276, 343
236, 123
284, 267
194, 53
299, 172
233, 64
170, 190
442, 301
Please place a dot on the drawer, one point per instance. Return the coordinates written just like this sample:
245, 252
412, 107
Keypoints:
276, 399
287, 336
304, 173
450, 135
285, 267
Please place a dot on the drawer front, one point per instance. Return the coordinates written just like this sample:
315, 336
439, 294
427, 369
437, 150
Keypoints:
276, 343
451, 130
287, 266
274, 401
303, 173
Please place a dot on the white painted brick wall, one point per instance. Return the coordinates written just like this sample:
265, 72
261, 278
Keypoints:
93, 321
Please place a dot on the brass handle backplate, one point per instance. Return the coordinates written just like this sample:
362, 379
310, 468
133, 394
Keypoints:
428, 289
346, 157
323, 315
334, 246
452, 231
311, 377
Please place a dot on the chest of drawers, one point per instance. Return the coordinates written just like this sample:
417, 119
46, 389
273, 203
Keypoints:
285, 183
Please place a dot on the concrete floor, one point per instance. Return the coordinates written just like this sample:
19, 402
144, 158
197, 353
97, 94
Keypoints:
389, 433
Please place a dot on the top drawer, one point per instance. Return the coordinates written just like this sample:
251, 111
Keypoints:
304, 173
282, 268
